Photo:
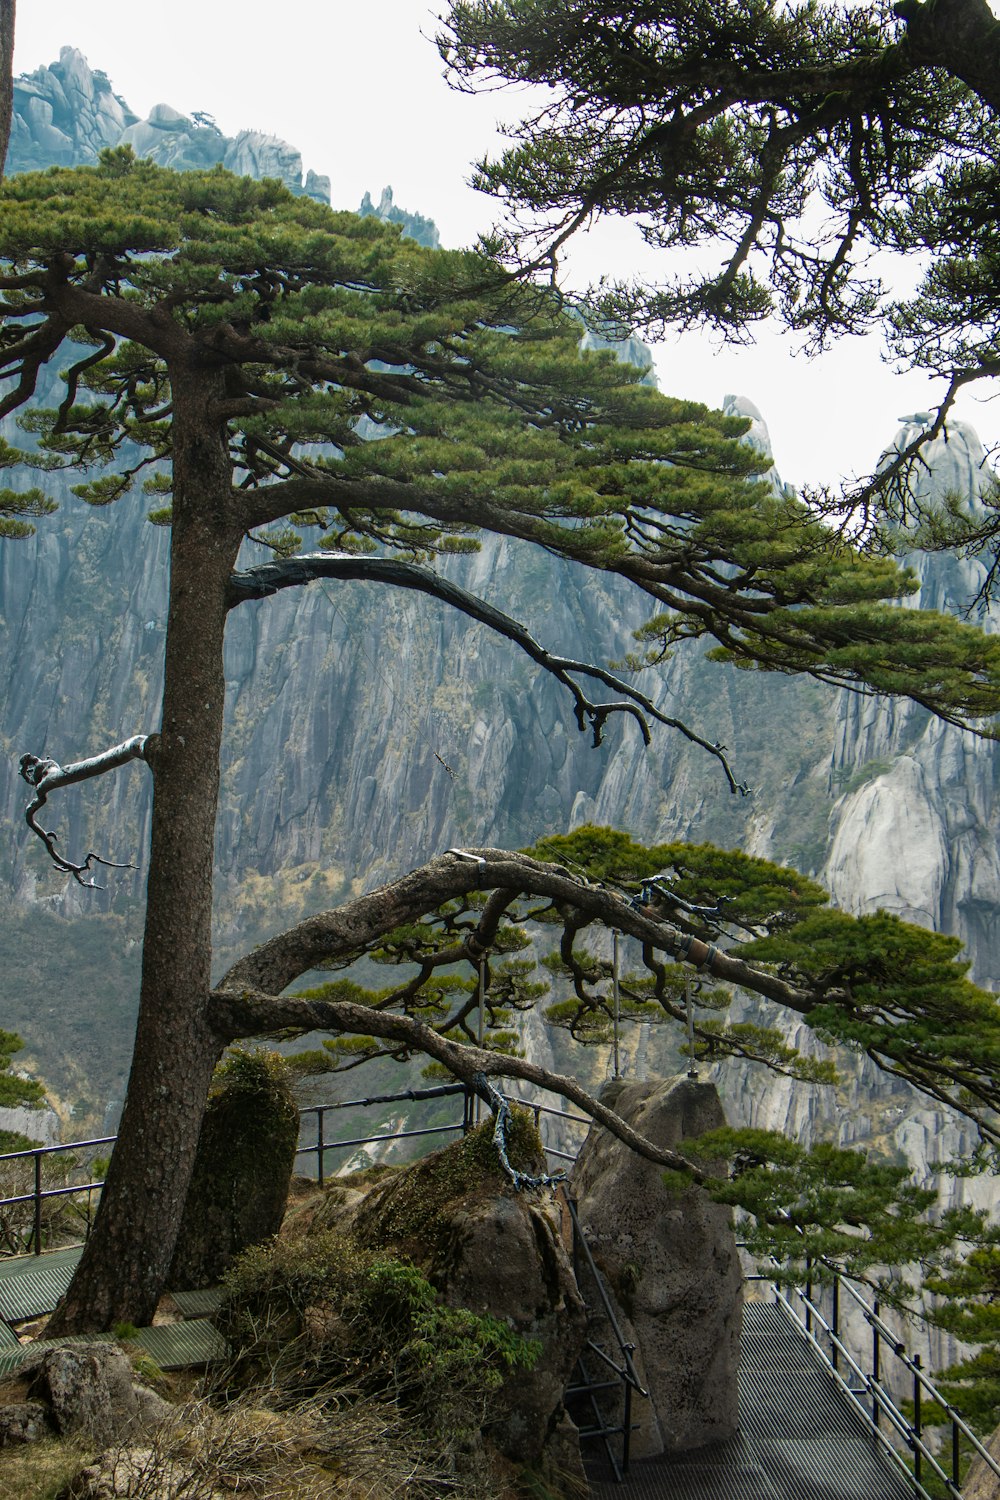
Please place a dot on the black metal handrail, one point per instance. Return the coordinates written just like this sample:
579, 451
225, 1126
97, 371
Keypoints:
870, 1385
40, 1194
625, 1373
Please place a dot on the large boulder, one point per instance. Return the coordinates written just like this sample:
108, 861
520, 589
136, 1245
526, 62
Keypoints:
499, 1252
981, 1483
89, 1389
669, 1259
246, 1152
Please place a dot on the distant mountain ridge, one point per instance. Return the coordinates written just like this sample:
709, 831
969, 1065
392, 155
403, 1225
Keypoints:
66, 114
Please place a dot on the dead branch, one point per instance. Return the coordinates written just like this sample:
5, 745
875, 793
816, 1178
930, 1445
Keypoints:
269, 578
47, 776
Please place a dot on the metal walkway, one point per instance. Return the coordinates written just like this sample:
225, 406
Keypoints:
800, 1437
31, 1285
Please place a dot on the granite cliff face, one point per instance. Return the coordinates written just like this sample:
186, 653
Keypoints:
67, 114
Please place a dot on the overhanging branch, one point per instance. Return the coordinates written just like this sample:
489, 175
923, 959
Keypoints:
48, 776
249, 999
251, 1013
271, 577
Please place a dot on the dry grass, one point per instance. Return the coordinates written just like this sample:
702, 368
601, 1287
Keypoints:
39, 1471
315, 1451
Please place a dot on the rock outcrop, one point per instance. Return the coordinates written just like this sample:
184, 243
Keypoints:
67, 114
89, 1389
494, 1251
670, 1262
242, 1170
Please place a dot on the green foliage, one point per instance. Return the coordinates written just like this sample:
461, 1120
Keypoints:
383, 394
820, 1210
722, 126
322, 1313
14, 1091
750, 892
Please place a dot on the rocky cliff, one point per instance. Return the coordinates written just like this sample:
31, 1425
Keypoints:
68, 113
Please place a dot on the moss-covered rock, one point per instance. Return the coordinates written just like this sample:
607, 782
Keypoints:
243, 1168
497, 1253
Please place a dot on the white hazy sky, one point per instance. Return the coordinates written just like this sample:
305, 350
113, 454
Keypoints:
358, 88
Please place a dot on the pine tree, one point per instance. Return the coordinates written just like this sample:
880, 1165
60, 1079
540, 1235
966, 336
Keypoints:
787, 142
264, 366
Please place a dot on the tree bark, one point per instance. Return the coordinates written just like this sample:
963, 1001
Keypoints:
961, 36
7, 8
125, 1264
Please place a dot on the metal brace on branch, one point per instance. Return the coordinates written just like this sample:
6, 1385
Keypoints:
501, 1124
47, 776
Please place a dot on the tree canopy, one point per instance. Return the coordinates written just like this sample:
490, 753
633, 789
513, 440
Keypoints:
788, 143
322, 332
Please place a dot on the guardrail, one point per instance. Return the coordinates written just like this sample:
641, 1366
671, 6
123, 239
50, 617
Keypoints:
38, 1195
868, 1394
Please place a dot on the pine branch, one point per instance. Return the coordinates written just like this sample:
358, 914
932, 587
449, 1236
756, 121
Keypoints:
245, 1013
269, 578
248, 995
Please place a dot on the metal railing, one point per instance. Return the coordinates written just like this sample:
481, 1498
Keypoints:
625, 1375
898, 1433
321, 1145
39, 1194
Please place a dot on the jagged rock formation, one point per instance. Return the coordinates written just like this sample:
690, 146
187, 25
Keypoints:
424, 231
497, 1252
67, 114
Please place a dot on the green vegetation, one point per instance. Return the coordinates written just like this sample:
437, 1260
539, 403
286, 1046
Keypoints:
321, 1314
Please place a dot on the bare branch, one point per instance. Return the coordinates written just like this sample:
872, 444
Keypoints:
47, 776
269, 578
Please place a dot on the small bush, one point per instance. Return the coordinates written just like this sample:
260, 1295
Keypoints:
321, 1314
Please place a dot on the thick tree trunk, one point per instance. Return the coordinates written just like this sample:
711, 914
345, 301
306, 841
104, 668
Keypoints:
961, 36
6, 75
122, 1273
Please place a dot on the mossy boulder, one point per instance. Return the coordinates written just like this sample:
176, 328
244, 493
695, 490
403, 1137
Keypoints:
498, 1253
243, 1168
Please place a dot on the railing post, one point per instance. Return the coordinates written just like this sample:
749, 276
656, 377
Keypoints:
875, 1369
37, 1232
627, 1428
809, 1295
956, 1457
834, 1351
320, 1144
917, 1392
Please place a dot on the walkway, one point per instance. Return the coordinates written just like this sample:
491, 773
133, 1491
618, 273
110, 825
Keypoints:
31, 1285
800, 1438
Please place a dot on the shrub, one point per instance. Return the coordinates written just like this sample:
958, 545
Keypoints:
321, 1314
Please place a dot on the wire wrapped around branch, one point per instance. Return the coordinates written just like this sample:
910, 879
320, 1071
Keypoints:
501, 1124
48, 776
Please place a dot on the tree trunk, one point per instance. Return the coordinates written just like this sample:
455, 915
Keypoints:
6, 75
124, 1266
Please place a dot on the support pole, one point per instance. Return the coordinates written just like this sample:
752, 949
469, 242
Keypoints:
689, 1007
480, 1030
617, 1000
